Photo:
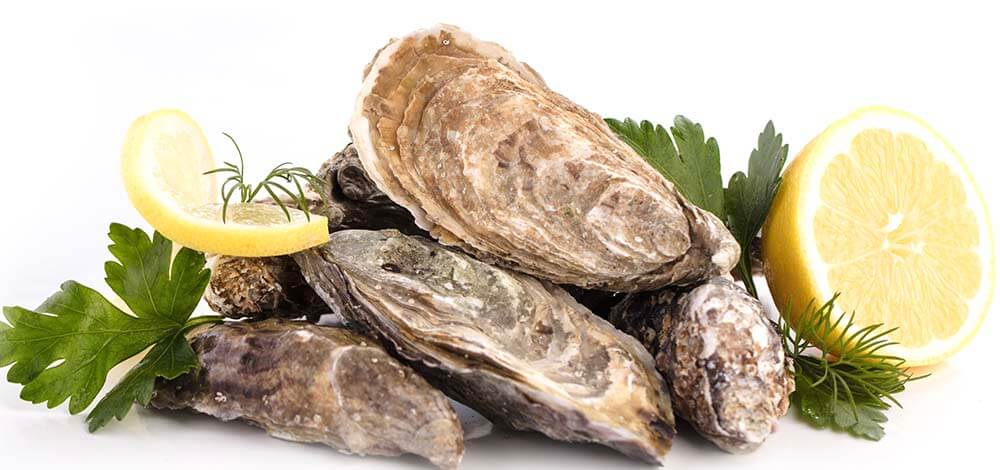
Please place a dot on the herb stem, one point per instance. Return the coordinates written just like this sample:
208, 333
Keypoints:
203, 320
745, 270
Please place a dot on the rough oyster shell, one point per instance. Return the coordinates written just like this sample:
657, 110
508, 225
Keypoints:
487, 158
258, 288
310, 383
520, 351
723, 361
359, 202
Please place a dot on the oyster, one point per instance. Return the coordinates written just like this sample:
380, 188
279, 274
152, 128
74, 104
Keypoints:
309, 383
267, 287
489, 159
520, 351
357, 199
722, 359
272, 287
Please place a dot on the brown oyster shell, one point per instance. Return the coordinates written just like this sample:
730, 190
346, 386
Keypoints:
258, 288
309, 383
720, 355
489, 159
520, 351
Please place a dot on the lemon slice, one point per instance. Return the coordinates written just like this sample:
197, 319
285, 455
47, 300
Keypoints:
881, 209
163, 164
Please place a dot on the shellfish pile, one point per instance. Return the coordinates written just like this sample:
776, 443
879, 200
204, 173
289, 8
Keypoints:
471, 196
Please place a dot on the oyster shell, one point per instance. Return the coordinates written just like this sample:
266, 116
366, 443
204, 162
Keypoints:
489, 159
520, 351
309, 383
266, 287
355, 201
722, 359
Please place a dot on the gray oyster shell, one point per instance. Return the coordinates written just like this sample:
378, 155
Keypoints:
491, 160
355, 202
309, 383
722, 359
520, 351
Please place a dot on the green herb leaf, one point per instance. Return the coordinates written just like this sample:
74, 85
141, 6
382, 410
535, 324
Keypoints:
819, 410
65, 348
170, 358
80, 327
869, 424
849, 391
144, 278
814, 407
749, 196
692, 166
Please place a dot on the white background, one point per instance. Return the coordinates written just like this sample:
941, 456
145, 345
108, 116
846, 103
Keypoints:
283, 79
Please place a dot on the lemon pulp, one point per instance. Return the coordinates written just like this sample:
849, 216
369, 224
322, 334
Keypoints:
885, 213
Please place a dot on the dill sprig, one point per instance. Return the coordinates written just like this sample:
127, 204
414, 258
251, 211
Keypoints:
842, 378
273, 184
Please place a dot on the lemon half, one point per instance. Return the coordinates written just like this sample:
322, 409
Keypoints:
163, 164
881, 209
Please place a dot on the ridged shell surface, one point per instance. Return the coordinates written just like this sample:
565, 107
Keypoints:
489, 159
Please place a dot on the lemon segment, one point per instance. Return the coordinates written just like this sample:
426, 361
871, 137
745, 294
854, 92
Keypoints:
881, 209
164, 160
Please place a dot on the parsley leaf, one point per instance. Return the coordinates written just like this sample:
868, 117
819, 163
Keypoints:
144, 279
692, 166
170, 358
819, 410
80, 327
65, 348
749, 196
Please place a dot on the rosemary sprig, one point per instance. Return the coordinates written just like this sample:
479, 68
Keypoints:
850, 390
271, 184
